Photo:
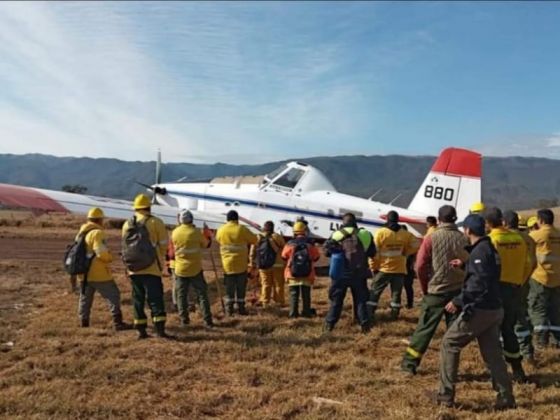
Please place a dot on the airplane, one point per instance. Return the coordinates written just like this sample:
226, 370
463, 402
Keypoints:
294, 190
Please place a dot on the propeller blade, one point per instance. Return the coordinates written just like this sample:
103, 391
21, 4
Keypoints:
148, 187
158, 167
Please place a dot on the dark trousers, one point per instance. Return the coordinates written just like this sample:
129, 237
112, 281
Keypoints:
409, 290
523, 327
544, 308
380, 282
432, 311
150, 287
199, 285
295, 292
337, 293
511, 297
236, 288
483, 326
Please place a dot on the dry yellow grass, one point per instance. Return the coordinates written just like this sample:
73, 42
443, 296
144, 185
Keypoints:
262, 366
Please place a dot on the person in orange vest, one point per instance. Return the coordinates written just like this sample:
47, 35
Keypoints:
301, 257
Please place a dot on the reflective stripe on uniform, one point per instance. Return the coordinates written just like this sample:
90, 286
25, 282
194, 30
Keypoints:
159, 318
278, 265
240, 301
140, 321
554, 328
185, 251
523, 334
395, 305
547, 258
369, 303
414, 353
538, 328
163, 242
390, 254
512, 355
233, 247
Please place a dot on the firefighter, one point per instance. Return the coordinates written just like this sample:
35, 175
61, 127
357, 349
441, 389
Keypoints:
147, 283
235, 240
266, 256
99, 277
300, 270
440, 283
477, 208
353, 246
544, 288
393, 245
523, 327
170, 266
481, 315
431, 225
514, 271
188, 242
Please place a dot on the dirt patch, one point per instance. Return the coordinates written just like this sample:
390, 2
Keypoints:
264, 366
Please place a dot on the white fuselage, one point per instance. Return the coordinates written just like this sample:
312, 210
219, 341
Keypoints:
322, 209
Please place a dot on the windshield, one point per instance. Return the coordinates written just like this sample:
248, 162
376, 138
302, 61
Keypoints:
290, 178
275, 173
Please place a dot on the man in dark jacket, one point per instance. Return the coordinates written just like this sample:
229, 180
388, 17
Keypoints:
439, 281
357, 245
480, 318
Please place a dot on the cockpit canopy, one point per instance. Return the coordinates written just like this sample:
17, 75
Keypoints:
298, 177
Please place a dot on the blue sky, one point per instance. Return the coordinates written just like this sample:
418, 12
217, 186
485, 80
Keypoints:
252, 82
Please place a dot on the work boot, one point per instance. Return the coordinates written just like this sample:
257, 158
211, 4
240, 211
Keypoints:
365, 328
407, 369
505, 403
241, 309
518, 372
119, 325
394, 314
209, 324
142, 333
84, 323
229, 309
328, 328
160, 331
184, 322
445, 400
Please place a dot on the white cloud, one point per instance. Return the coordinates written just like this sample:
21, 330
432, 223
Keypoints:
547, 146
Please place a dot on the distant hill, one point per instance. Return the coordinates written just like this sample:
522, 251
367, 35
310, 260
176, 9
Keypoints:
513, 182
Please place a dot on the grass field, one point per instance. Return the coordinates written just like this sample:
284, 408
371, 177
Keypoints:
264, 366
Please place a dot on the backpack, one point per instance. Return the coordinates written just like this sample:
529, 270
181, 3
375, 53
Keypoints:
300, 264
138, 252
76, 260
354, 253
266, 255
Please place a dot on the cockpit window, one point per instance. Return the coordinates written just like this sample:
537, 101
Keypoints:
270, 177
290, 178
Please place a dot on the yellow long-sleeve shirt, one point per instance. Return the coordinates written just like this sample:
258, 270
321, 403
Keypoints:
513, 255
188, 242
96, 247
158, 237
234, 240
392, 250
277, 243
547, 242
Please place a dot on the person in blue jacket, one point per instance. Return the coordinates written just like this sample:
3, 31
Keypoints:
349, 249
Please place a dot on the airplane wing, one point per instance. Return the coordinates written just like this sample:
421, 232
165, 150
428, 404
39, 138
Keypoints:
40, 200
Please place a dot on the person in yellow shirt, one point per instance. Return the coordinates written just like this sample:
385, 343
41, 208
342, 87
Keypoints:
514, 270
99, 277
523, 327
188, 242
394, 245
266, 255
431, 225
235, 240
544, 292
144, 247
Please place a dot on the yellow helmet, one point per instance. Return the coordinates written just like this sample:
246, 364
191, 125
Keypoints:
532, 221
477, 208
95, 213
299, 227
142, 201
523, 222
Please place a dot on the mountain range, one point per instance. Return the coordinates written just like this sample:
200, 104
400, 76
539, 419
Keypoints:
509, 182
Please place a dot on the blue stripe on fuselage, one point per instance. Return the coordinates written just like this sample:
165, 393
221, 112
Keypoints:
273, 207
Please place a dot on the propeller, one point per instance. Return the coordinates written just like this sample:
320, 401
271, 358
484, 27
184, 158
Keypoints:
155, 189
